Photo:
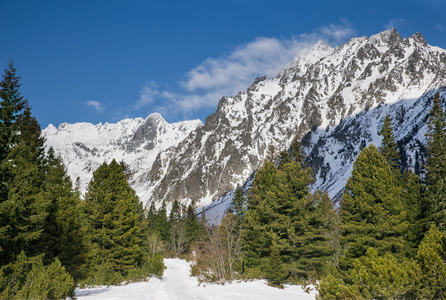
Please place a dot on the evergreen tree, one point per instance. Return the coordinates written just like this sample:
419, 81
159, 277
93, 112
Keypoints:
12, 105
239, 204
275, 271
162, 224
195, 231
28, 278
432, 259
22, 204
115, 218
416, 210
371, 209
436, 164
65, 235
389, 149
280, 206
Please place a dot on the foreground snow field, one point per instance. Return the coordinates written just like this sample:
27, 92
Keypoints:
177, 284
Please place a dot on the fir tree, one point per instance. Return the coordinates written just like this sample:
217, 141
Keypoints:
371, 209
280, 206
22, 204
436, 164
12, 105
239, 204
432, 259
65, 235
115, 218
389, 149
416, 209
275, 271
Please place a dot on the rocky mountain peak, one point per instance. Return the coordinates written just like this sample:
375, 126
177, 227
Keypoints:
316, 92
388, 37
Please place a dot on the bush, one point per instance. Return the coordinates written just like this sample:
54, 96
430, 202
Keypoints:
28, 278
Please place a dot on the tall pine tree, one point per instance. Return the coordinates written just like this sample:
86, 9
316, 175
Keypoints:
435, 194
389, 148
115, 218
22, 203
371, 208
280, 207
65, 233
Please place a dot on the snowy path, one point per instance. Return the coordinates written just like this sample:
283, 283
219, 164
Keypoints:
177, 284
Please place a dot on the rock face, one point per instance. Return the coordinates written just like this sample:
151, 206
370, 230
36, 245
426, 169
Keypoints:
84, 146
331, 96
335, 99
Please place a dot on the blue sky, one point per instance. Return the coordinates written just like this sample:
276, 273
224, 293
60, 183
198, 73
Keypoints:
103, 61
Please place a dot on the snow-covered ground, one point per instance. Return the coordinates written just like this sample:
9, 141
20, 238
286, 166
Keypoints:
177, 284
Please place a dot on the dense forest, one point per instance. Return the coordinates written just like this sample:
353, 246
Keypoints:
385, 240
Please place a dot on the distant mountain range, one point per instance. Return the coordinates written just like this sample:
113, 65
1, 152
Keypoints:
333, 99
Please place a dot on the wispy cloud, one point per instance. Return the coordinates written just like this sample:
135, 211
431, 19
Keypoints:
98, 106
440, 27
204, 85
397, 23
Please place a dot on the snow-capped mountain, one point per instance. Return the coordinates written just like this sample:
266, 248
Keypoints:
334, 99
84, 146
320, 91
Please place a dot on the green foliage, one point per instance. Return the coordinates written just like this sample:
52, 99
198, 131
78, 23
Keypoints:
28, 278
374, 277
12, 105
239, 204
65, 234
22, 203
432, 259
371, 209
416, 210
155, 265
389, 148
436, 165
334, 288
280, 205
275, 270
385, 277
115, 218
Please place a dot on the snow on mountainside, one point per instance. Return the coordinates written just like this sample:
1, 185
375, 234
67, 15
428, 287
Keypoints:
84, 146
334, 99
318, 92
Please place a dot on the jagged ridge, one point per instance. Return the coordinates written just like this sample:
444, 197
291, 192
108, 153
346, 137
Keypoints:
318, 90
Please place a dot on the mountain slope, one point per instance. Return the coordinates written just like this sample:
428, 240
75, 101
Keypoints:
319, 89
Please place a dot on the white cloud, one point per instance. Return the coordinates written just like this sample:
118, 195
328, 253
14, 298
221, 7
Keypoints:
396, 23
226, 75
98, 106
441, 28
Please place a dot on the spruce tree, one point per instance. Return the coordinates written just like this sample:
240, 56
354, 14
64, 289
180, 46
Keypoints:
389, 148
65, 234
12, 104
115, 218
280, 206
22, 203
432, 259
239, 204
435, 178
371, 209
